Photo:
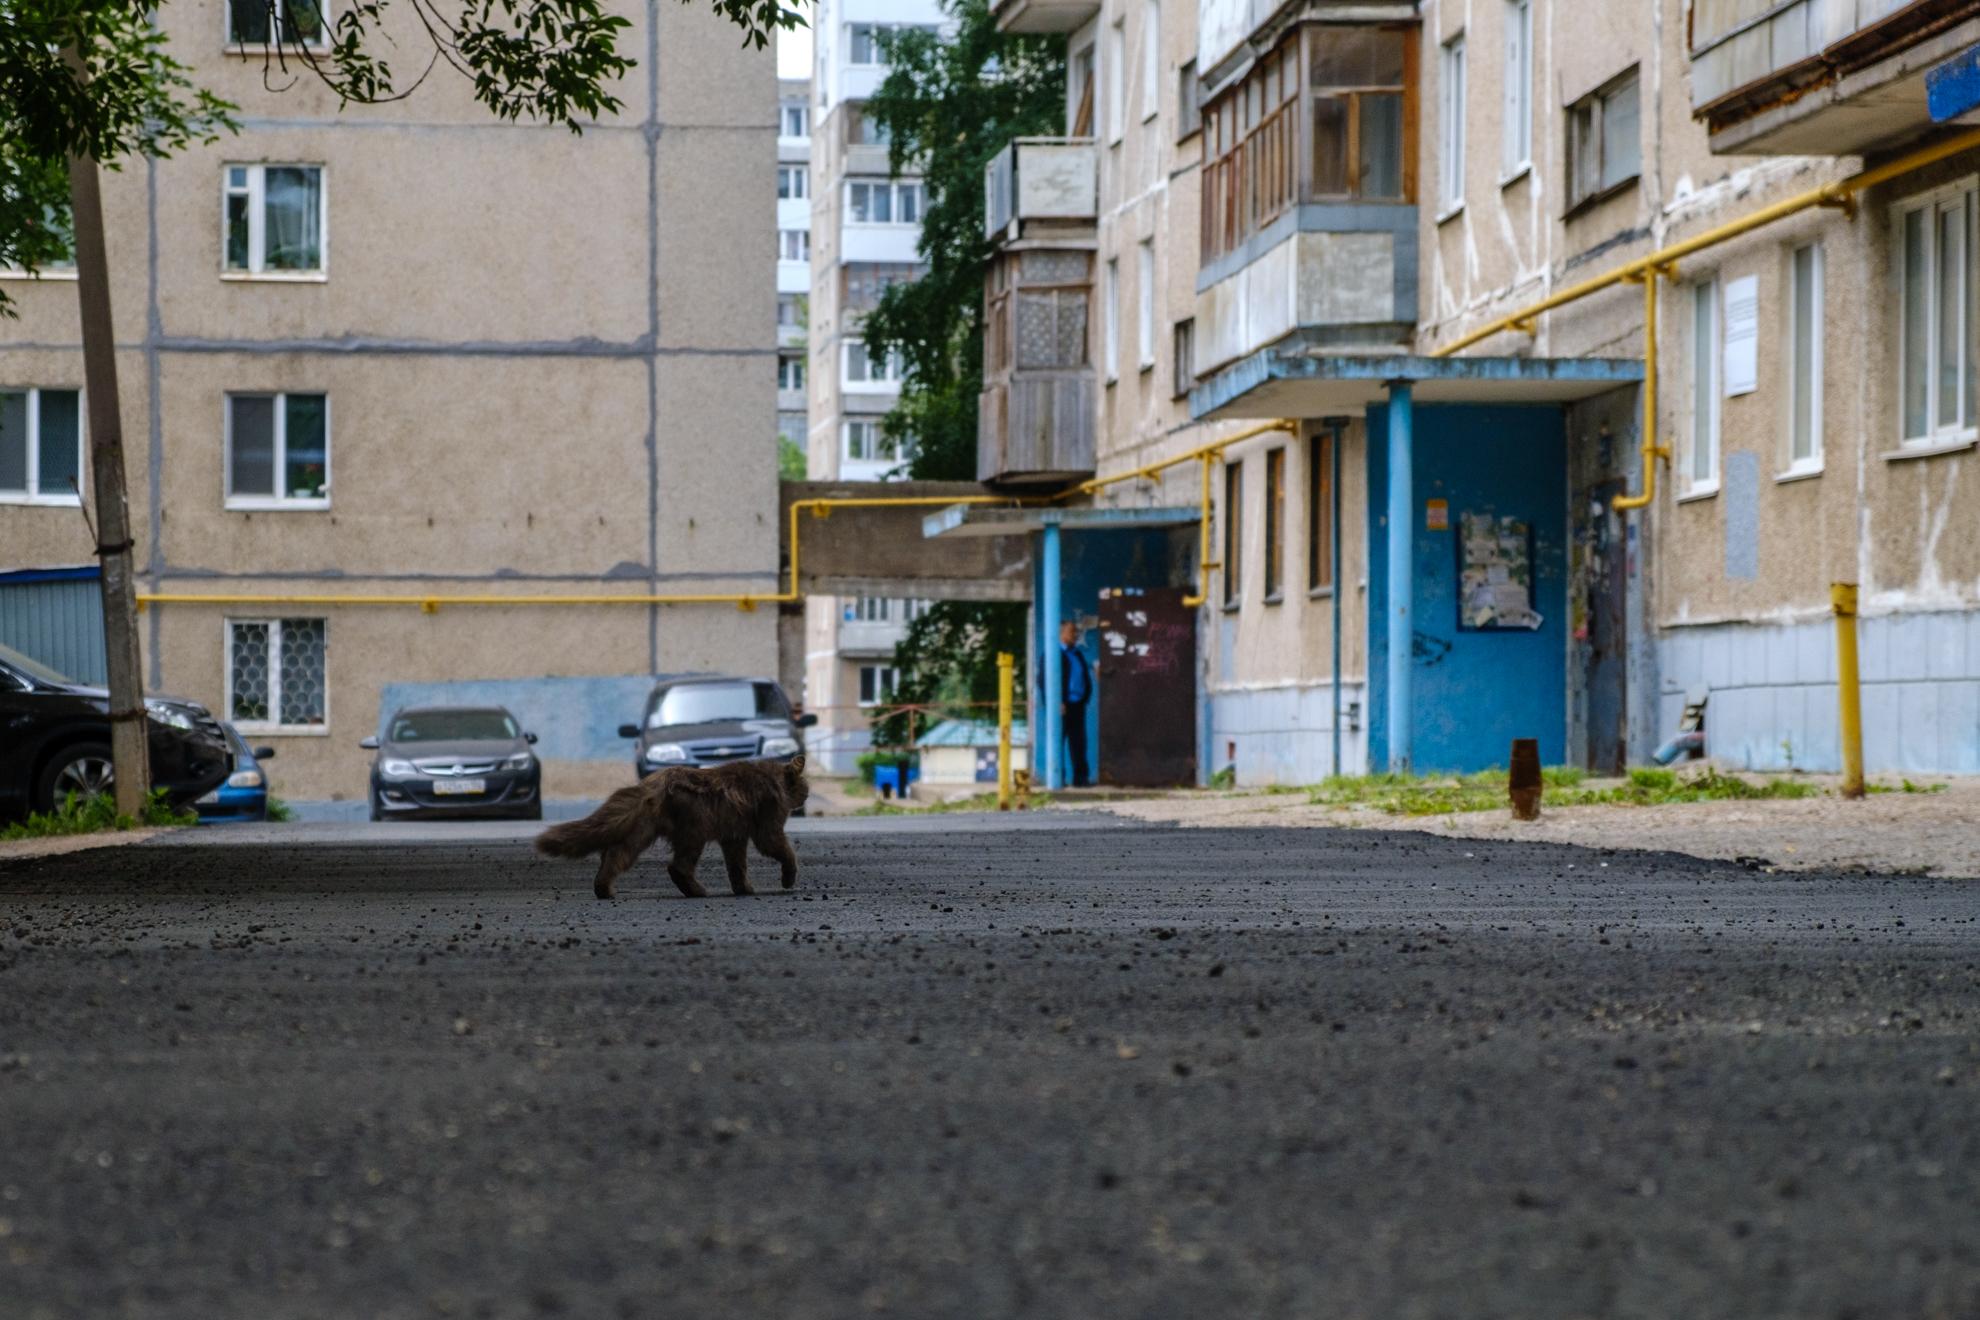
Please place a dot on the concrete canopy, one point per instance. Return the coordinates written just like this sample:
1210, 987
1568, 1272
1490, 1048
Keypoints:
1301, 383
960, 520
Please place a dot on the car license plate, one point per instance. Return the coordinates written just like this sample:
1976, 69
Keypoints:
450, 787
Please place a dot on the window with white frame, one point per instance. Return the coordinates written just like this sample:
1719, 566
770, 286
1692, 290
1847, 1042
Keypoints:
1702, 468
1517, 138
1110, 341
793, 183
885, 609
796, 122
278, 451
867, 442
276, 674
1937, 340
794, 244
275, 23
40, 446
790, 373
863, 42
1450, 130
1151, 58
883, 202
862, 369
877, 684
274, 219
791, 311
1115, 68
1604, 140
1145, 319
1804, 359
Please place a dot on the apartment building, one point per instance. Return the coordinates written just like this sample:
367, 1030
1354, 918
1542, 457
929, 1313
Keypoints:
865, 223
1423, 556
793, 258
365, 352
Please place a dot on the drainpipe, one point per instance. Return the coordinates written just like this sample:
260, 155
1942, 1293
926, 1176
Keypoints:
1054, 681
1402, 581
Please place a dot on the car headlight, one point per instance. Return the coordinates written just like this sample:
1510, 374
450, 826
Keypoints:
666, 754
396, 769
244, 779
171, 715
520, 761
781, 747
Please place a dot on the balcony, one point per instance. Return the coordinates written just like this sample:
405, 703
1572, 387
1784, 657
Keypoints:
1821, 77
1043, 15
1037, 413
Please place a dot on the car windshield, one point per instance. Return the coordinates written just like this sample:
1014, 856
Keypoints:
713, 703
34, 669
454, 726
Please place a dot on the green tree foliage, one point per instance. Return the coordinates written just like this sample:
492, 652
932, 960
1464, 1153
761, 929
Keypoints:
949, 105
791, 461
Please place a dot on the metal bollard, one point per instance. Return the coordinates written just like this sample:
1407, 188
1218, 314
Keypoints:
1524, 783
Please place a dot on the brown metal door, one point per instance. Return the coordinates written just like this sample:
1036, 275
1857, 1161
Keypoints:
1147, 688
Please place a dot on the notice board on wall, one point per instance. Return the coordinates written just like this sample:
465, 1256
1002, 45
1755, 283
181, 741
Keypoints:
1495, 573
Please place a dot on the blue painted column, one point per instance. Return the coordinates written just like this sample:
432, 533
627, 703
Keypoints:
1402, 581
1052, 748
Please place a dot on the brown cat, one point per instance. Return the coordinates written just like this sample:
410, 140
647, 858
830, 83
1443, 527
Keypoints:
735, 805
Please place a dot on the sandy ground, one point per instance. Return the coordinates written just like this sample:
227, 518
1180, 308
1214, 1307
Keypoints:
1889, 833
13, 849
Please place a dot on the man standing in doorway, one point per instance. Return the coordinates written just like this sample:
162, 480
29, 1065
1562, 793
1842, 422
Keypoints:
1076, 677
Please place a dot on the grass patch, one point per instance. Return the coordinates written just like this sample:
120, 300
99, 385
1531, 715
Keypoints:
1563, 786
976, 802
1904, 786
96, 814
278, 810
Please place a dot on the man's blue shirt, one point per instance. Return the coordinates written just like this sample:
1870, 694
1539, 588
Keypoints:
1078, 676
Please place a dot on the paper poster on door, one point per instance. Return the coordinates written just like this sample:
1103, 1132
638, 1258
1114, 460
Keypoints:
1495, 573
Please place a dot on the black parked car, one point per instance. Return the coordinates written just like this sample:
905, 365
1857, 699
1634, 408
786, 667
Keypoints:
707, 720
55, 740
455, 761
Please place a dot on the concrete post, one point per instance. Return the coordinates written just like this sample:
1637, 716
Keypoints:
1402, 579
1053, 684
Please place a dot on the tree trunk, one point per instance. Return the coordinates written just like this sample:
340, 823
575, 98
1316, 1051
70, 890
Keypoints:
128, 730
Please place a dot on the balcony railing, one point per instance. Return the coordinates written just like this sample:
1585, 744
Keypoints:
1051, 180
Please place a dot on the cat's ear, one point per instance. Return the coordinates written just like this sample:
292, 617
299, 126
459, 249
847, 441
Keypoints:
794, 767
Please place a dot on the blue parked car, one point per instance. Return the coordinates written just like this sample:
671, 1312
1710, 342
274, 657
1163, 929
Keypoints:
245, 794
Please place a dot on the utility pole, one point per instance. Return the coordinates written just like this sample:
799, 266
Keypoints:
129, 754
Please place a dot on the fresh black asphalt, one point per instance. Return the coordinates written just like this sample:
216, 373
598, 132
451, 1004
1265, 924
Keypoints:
974, 1071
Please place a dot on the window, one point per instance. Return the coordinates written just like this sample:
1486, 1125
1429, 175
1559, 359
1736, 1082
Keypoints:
52, 241
794, 245
790, 311
1079, 93
796, 122
862, 130
1604, 148
1145, 327
278, 450
1347, 128
867, 442
1320, 512
861, 369
1115, 67
878, 202
877, 684
274, 218
1233, 532
275, 674
1189, 103
1110, 342
1936, 342
274, 22
885, 609
1703, 472
1450, 129
864, 281
1151, 58
1804, 359
1275, 523
790, 373
1516, 146
792, 183
1185, 351
863, 43
41, 446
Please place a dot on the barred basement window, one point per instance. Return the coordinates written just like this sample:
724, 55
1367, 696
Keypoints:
276, 674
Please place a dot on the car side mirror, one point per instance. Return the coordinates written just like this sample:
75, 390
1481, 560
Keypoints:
264, 753
629, 731
529, 738
805, 721
370, 744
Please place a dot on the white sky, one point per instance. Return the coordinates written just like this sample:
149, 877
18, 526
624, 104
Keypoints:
794, 53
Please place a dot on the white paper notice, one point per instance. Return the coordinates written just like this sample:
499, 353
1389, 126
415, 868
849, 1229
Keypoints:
1742, 335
